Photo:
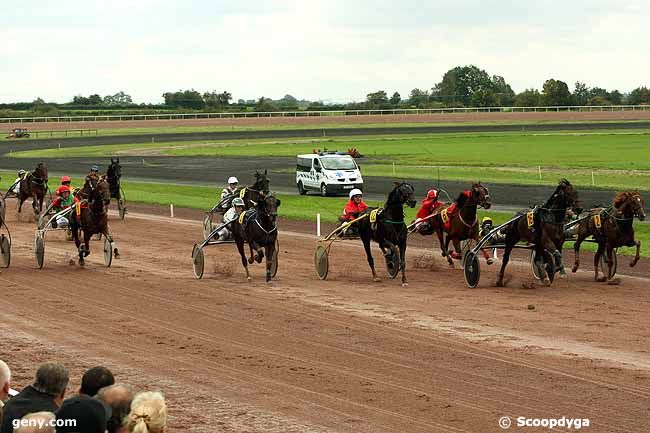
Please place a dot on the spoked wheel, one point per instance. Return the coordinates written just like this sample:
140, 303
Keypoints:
3, 209
392, 264
108, 252
321, 261
274, 259
198, 261
207, 226
121, 208
466, 246
5, 251
39, 249
471, 269
604, 267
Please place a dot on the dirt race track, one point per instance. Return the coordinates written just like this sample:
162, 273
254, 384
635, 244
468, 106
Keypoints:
342, 355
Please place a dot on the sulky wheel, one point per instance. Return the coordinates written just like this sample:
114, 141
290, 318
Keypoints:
274, 259
471, 269
121, 208
207, 226
5, 251
466, 246
108, 252
604, 267
533, 265
392, 264
198, 261
321, 261
39, 249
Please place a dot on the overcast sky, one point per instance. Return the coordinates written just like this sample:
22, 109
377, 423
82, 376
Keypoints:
331, 50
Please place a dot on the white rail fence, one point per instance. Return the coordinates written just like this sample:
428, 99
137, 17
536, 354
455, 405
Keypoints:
392, 112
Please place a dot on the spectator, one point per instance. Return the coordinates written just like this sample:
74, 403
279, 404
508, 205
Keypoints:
148, 414
119, 398
5, 384
41, 422
90, 415
45, 394
95, 379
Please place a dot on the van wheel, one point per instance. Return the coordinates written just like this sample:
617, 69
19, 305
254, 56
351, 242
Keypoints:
323, 190
301, 189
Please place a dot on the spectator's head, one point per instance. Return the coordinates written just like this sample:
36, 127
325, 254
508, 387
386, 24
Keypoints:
90, 415
52, 379
95, 379
119, 398
148, 414
5, 380
38, 422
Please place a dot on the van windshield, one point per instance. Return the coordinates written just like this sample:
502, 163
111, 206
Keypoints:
338, 163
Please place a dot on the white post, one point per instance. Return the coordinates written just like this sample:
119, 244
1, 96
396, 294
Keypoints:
171, 210
393, 168
59, 146
143, 162
593, 181
318, 224
539, 168
151, 140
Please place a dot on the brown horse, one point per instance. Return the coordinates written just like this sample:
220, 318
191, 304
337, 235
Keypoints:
460, 222
34, 185
90, 215
611, 228
544, 228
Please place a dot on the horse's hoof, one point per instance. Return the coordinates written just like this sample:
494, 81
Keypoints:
405, 284
490, 261
614, 282
574, 269
601, 279
500, 283
376, 279
250, 261
249, 279
71, 262
633, 263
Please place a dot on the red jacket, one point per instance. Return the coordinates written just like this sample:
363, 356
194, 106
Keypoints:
58, 203
428, 207
352, 210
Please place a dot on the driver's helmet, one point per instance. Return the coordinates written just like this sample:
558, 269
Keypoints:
486, 220
65, 179
355, 191
63, 188
21, 173
232, 180
94, 169
238, 202
432, 194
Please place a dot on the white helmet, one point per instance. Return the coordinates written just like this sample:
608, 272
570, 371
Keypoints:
355, 191
238, 202
232, 179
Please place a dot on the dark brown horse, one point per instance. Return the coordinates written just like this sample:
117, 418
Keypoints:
611, 228
34, 185
258, 227
543, 227
90, 215
250, 194
460, 221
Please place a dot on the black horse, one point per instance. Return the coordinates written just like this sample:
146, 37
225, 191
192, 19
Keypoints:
113, 175
250, 194
543, 227
258, 227
34, 185
388, 228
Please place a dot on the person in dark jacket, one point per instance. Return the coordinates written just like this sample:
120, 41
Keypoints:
45, 394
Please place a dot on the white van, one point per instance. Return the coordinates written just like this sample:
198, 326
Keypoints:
328, 173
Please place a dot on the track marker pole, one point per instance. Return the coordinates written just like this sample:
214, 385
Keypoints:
539, 168
318, 224
171, 210
593, 181
393, 168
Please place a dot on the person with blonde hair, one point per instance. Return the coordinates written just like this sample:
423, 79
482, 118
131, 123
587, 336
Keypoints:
148, 414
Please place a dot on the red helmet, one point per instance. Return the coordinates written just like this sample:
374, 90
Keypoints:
62, 189
65, 179
432, 194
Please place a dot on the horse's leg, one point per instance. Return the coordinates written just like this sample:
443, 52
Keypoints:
457, 248
576, 249
610, 261
252, 248
638, 252
109, 235
365, 238
402, 257
269, 249
441, 242
444, 245
242, 253
597, 256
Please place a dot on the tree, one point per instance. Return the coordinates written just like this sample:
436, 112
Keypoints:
615, 97
599, 100
38, 101
555, 92
120, 98
288, 102
395, 99
184, 99
94, 100
266, 104
484, 98
528, 98
418, 97
580, 94
502, 91
216, 100
377, 99
80, 100
640, 95
460, 83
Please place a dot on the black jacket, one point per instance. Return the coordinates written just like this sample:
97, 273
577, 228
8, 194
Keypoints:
29, 400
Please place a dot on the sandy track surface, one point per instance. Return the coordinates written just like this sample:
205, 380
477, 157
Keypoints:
330, 120
342, 355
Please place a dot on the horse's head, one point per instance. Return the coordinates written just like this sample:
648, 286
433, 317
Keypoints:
262, 182
481, 195
565, 196
114, 170
630, 203
41, 171
404, 193
269, 206
96, 190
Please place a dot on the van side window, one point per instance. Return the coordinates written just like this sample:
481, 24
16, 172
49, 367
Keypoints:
316, 164
304, 164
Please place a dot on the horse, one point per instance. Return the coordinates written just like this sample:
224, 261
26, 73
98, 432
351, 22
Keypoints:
460, 221
543, 227
34, 185
113, 176
258, 227
611, 228
90, 215
387, 227
250, 194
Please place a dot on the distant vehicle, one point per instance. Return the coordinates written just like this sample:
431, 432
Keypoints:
18, 133
327, 172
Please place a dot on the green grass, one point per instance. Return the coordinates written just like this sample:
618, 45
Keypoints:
293, 207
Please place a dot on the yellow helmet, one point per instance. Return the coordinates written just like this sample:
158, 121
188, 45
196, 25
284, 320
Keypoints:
486, 219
